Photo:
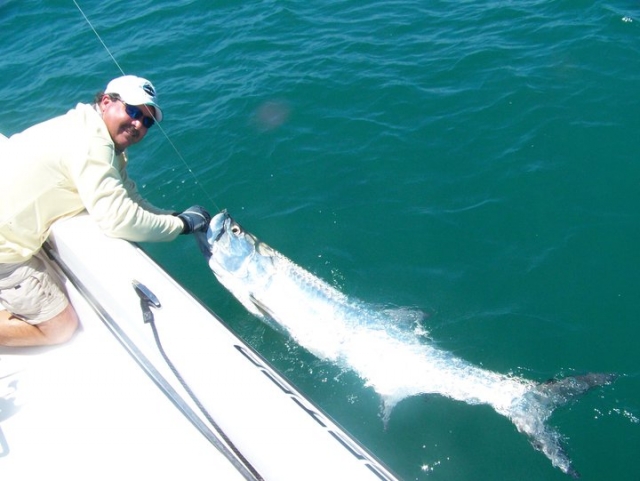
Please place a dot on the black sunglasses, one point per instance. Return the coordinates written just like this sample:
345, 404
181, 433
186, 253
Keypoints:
136, 114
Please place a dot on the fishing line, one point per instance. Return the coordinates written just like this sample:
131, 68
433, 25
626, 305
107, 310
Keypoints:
173, 146
253, 474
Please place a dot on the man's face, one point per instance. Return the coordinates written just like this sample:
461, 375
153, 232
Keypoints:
124, 130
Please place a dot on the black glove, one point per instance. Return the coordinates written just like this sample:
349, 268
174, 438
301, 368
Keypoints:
195, 219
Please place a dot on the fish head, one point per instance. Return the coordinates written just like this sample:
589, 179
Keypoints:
227, 246
237, 258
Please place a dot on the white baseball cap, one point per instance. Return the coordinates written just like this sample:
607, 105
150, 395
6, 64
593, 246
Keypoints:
135, 91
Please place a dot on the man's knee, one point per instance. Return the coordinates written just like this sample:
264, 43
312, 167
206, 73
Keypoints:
60, 328
35, 294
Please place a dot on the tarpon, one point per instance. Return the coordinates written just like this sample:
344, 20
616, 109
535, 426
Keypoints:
395, 361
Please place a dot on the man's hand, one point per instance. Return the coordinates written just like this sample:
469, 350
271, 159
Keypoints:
195, 219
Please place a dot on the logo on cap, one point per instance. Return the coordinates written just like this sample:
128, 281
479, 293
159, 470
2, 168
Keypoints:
148, 88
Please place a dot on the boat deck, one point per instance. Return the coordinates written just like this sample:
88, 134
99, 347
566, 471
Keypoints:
86, 410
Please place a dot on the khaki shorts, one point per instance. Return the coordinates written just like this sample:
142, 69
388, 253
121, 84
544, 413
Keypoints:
31, 290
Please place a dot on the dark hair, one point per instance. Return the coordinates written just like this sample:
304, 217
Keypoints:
98, 97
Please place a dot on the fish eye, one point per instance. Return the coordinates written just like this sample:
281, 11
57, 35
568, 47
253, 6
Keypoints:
236, 229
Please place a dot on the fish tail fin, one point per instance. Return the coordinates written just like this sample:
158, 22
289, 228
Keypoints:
531, 412
563, 391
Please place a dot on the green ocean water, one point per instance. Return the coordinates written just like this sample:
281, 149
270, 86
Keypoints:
478, 161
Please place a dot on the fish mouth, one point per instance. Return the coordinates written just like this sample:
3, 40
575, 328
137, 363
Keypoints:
218, 226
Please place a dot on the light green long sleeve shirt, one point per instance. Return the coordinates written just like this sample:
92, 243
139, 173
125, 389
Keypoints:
60, 167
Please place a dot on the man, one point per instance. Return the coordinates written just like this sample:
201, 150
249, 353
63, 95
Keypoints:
57, 169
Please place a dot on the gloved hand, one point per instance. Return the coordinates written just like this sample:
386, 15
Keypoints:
195, 219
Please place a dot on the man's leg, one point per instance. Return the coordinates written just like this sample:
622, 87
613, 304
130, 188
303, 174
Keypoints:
16, 332
38, 311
